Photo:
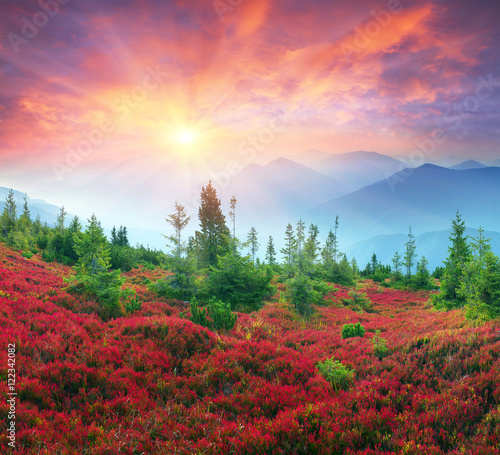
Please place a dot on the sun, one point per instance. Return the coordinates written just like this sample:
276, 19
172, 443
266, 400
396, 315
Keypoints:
186, 137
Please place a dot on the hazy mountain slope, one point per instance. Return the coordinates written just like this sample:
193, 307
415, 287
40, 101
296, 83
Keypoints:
427, 199
310, 157
358, 169
278, 191
470, 164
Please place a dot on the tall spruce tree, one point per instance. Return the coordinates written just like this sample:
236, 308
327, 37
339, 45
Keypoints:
335, 241
328, 251
455, 265
9, 215
253, 242
114, 237
60, 220
301, 235
311, 246
458, 255
122, 236
397, 264
289, 251
480, 288
374, 264
213, 237
270, 252
92, 249
410, 256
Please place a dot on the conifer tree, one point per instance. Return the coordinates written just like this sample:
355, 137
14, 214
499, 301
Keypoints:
374, 264
37, 225
114, 237
9, 214
24, 224
122, 236
301, 235
26, 215
410, 256
335, 243
311, 246
213, 235
354, 267
328, 251
455, 266
270, 252
458, 255
289, 251
60, 220
178, 220
252, 242
92, 249
74, 228
480, 288
397, 263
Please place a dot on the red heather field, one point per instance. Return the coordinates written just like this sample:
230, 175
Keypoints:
155, 383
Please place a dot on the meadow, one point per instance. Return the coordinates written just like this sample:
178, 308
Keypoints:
153, 382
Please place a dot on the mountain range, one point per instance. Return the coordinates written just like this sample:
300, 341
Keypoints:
426, 198
140, 193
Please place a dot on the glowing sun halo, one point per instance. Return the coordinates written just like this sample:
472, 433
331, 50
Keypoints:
186, 137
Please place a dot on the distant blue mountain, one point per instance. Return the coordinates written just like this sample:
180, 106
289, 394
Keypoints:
277, 190
470, 164
426, 198
358, 169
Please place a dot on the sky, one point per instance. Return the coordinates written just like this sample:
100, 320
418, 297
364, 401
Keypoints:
86, 84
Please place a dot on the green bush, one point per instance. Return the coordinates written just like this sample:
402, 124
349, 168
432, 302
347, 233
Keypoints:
300, 295
237, 281
199, 315
221, 317
338, 375
304, 292
353, 330
379, 345
358, 301
34, 250
27, 254
132, 305
123, 258
105, 288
